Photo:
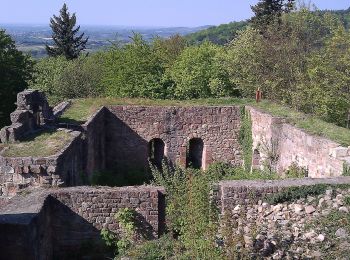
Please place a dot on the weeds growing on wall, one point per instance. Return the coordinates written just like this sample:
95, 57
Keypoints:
246, 138
346, 169
127, 221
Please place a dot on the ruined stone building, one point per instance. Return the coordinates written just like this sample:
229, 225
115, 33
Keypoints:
125, 138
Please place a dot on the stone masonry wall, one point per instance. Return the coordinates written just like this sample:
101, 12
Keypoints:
131, 128
95, 142
63, 169
72, 219
319, 156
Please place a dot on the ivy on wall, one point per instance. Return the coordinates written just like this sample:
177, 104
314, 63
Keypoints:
246, 138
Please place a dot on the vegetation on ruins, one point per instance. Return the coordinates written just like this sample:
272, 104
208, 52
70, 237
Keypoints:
40, 144
66, 41
246, 139
15, 72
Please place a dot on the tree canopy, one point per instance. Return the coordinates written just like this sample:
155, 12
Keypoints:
15, 71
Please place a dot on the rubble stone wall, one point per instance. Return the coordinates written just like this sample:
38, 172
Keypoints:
320, 157
290, 225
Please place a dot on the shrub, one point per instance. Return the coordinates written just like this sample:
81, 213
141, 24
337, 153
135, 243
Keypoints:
63, 79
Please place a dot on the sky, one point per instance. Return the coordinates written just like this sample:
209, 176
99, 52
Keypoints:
166, 13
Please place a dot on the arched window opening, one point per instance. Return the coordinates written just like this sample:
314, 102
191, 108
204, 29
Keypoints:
195, 153
156, 152
256, 159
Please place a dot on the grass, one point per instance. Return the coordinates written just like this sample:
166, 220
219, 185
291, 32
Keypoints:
309, 123
82, 109
42, 144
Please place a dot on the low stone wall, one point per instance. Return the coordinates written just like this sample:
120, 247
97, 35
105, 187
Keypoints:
320, 157
268, 219
63, 169
66, 223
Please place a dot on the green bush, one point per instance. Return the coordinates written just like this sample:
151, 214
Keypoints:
63, 79
199, 73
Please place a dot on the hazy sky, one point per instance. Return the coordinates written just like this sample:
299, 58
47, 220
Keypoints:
139, 12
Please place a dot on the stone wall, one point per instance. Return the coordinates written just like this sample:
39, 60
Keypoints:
66, 223
95, 142
62, 169
131, 128
320, 157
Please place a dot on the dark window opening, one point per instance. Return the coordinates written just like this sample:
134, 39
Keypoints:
195, 153
156, 152
256, 159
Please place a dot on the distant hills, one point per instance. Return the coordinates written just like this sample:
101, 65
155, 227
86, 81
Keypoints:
221, 34
225, 33
32, 38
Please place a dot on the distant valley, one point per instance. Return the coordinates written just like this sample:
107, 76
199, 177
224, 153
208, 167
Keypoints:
32, 38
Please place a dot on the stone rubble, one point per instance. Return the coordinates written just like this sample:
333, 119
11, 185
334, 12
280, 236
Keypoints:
292, 230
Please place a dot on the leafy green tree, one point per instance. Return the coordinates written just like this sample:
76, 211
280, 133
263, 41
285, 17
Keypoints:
66, 42
134, 70
63, 79
15, 71
329, 75
281, 63
168, 50
199, 73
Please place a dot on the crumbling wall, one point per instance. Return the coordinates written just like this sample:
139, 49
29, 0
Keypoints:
131, 128
32, 112
62, 169
284, 144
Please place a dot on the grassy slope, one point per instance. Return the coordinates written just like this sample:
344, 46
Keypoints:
39, 145
81, 109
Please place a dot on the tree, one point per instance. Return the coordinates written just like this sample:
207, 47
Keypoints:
199, 73
15, 71
66, 42
134, 70
267, 11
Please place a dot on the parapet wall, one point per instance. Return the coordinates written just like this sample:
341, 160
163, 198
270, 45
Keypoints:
66, 223
320, 157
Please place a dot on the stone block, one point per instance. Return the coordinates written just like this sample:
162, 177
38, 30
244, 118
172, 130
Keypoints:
36, 169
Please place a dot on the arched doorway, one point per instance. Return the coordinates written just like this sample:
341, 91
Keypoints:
195, 153
156, 152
